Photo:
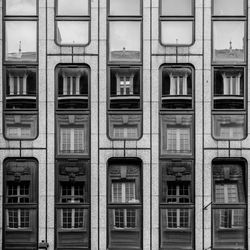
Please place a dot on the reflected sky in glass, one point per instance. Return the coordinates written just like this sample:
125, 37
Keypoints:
177, 32
228, 40
125, 7
72, 32
176, 7
125, 39
228, 7
21, 7
73, 7
21, 40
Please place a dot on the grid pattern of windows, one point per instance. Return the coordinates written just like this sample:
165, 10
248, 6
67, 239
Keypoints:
74, 218
177, 218
124, 218
18, 218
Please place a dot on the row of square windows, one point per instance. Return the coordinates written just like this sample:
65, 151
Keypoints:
125, 105
176, 28
124, 191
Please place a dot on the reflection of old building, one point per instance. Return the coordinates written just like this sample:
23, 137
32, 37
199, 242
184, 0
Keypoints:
124, 125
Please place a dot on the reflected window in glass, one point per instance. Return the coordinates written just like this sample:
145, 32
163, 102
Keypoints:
125, 7
176, 7
73, 8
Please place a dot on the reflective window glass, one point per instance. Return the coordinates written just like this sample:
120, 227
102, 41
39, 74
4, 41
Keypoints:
72, 32
125, 40
228, 7
229, 41
21, 40
20, 7
72, 8
125, 7
177, 32
176, 7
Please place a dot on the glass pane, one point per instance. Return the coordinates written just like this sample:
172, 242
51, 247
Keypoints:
125, 41
72, 8
73, 88
176, 134
229, 127
229, 228
20, 126
124, 228
72, 32
21, 40
176, 228
20, 7
229, 7
21, 88
125, 127
125, 7
229, 41
177, 32
229, 88
176, 7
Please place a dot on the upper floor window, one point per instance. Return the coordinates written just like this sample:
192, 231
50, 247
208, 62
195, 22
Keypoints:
176, 88
20, 7
20, 203
124, 206
125, 127
72, 22
72, 204
229, 7
176, 204
229, 204
72, 87
124, 88
20, 40
125, 41
229, 41
72, 134
20, 88
124, 7
229, 88
176, 22
176, 134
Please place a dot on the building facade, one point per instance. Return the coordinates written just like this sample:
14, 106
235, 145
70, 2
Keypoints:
124, 124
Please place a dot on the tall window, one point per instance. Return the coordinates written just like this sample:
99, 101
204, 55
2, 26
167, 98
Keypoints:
72, 22
20, 203
176, 205
229, 204
20, 86
124, 74
72, 204
176, 22
176, 134
124, 205
229, 20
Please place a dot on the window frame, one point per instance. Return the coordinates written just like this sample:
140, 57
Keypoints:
27, 173
109, 96
85, 18
219, 206
172, 17
121, 175
173, 67
67, 173
187, 171
217, 70
60, 67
